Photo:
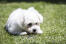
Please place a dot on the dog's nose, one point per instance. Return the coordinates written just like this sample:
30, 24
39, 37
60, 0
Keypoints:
34, 30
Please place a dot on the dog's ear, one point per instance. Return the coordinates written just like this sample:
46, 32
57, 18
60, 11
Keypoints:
40, 18
32, 9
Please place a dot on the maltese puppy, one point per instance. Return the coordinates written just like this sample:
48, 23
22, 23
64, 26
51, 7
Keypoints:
21, 22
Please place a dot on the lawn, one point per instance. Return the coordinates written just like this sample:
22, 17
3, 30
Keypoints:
54, 25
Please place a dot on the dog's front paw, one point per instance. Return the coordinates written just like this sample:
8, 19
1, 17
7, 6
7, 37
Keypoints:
23, 33
40, 32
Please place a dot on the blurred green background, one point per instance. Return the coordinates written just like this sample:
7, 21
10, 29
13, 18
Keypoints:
54, 25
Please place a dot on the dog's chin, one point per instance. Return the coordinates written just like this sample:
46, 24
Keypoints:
34, 33
31, 33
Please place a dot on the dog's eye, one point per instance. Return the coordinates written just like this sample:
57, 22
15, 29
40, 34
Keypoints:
30, 24
36, 23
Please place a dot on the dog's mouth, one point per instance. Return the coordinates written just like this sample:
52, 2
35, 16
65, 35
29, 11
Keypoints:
31, 33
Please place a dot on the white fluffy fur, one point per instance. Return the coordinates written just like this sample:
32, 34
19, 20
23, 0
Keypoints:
20, 18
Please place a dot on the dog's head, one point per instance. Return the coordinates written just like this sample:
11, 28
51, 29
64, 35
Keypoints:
32, 20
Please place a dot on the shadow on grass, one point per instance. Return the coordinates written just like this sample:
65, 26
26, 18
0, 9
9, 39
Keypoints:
44, 42
31, 1
30, 43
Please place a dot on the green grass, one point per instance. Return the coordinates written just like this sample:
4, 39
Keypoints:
54, 25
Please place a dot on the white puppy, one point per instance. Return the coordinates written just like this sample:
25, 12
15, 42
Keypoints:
21, 22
